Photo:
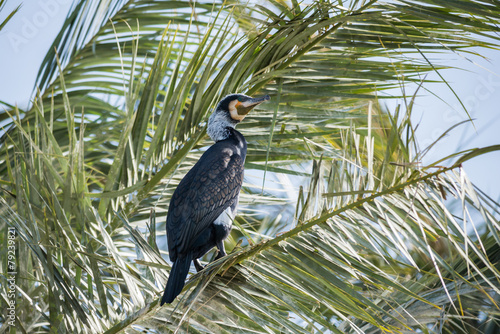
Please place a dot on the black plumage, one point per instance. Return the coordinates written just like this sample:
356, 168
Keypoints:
203, 205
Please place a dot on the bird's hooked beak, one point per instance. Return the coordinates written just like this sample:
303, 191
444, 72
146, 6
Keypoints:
240, 109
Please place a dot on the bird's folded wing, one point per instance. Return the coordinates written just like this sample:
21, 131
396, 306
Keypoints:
208, 189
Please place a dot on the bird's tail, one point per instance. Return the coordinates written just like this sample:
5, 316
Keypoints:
176, 279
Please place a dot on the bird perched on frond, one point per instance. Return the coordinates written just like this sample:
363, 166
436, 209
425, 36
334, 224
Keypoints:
203, 206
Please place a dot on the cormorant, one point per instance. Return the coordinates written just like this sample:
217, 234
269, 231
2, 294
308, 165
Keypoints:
204, 204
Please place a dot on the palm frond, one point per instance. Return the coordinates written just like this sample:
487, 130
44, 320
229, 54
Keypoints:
340, 229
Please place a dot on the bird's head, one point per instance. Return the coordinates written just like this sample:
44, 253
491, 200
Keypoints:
231, 110
239, 105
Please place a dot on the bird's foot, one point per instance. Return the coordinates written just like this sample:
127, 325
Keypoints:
220, 255
198, 265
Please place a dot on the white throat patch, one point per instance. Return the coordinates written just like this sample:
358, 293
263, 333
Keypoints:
218, 125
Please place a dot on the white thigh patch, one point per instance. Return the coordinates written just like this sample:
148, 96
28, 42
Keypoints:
226, 218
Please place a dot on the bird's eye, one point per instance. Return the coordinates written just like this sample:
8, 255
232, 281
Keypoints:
240, 98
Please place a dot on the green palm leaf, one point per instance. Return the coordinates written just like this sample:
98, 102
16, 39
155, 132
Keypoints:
339, 228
